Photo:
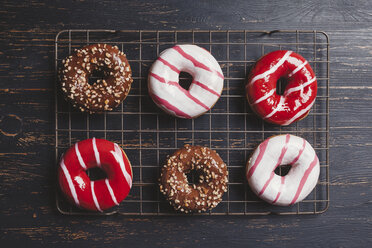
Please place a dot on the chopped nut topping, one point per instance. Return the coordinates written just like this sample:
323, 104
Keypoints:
205, 194
93, 98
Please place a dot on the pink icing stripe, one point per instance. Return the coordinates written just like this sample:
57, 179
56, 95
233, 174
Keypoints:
195, 62
180, 88
206, 88
299, 154
172, 67
304, 179
284, 150
262, 149
267, 183
169, 106
280, 190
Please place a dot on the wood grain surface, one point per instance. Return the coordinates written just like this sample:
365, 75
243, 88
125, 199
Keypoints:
27, 171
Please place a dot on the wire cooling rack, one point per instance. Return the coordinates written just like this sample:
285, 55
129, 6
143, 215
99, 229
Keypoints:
148, 135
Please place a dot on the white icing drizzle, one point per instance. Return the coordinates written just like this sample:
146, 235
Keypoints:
278, 108
300, 87
96, 153
70, 183
94, 196
118, 155
299, 113
270, 93
81, 161
272, 69
297, 69
111, 192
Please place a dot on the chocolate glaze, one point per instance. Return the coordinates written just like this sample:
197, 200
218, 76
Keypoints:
201, 196
104, 94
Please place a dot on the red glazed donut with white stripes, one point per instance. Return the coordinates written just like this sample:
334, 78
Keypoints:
204, 90
300, 91
100, 194
283, 150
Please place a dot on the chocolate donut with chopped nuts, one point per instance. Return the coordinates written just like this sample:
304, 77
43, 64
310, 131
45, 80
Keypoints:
104, 94
203, 195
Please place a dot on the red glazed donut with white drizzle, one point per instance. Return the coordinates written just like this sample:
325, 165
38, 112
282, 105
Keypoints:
283, 150
204, 91
101, 194
300, 91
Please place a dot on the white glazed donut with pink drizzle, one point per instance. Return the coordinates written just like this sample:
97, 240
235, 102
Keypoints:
283, 150
204, 91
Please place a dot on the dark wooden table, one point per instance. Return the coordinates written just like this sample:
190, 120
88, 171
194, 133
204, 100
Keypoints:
28, 214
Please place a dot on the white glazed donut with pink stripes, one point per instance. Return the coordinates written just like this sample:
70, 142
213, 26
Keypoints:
204, 90
283, 150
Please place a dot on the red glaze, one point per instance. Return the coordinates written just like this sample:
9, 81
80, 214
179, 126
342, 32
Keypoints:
76, 184
300, 91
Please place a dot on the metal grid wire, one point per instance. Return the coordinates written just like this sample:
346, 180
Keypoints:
148, 135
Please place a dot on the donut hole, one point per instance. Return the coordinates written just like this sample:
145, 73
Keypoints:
97, 76
194, 176
282, 170
281, 84
185, 80
96, 173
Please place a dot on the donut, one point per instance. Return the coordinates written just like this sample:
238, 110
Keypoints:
204, 91
300, 91
203, 195
283, 150
97, 195
103, 94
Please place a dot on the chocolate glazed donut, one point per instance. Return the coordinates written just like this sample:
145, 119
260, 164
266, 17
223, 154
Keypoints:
104, 94
201, 196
